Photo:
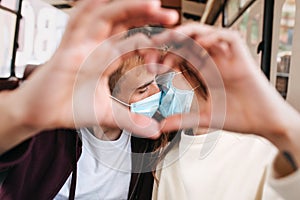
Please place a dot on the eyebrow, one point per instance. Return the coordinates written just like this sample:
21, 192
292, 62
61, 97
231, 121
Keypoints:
145, 85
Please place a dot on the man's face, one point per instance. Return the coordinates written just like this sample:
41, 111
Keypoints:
136, 84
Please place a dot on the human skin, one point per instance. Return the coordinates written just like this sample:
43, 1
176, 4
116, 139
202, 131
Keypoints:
46, 99
252, 104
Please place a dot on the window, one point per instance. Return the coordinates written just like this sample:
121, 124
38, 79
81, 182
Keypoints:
286, 33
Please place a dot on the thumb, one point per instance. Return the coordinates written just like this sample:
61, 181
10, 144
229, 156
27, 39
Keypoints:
183, 121
139, 125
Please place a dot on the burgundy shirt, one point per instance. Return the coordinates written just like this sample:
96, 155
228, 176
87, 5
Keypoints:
39, 167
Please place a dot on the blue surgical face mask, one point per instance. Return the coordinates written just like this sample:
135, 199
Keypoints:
173, 100
147, 106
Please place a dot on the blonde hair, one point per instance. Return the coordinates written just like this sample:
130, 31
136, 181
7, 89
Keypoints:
125, 66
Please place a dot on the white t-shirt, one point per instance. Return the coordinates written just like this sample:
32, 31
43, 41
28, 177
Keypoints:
222, 166
103, 170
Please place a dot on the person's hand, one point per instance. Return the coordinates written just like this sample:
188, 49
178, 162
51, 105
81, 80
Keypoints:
91, 23
45, 100
92, 102
251, 104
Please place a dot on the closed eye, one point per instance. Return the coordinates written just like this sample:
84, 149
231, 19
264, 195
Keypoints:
143, 90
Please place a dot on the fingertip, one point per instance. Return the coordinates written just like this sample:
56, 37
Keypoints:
152, 68
168, 61
169, 124
173, 16
156, 135
151, 57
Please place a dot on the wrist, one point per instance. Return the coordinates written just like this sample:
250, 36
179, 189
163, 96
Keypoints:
11, 113
288, 141
11, 129
16, 113
292, 148
284, 165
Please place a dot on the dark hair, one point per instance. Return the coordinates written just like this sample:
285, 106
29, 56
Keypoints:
167, 141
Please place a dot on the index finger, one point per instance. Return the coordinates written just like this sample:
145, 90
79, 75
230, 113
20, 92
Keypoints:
138, 13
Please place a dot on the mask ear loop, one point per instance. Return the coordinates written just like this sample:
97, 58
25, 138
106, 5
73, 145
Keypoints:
181, 72
195, 87
119, 101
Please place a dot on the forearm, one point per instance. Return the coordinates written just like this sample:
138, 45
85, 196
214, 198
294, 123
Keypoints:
13, 129
288, 159
293, 155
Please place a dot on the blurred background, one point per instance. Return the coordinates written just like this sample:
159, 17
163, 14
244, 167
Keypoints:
31, 31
